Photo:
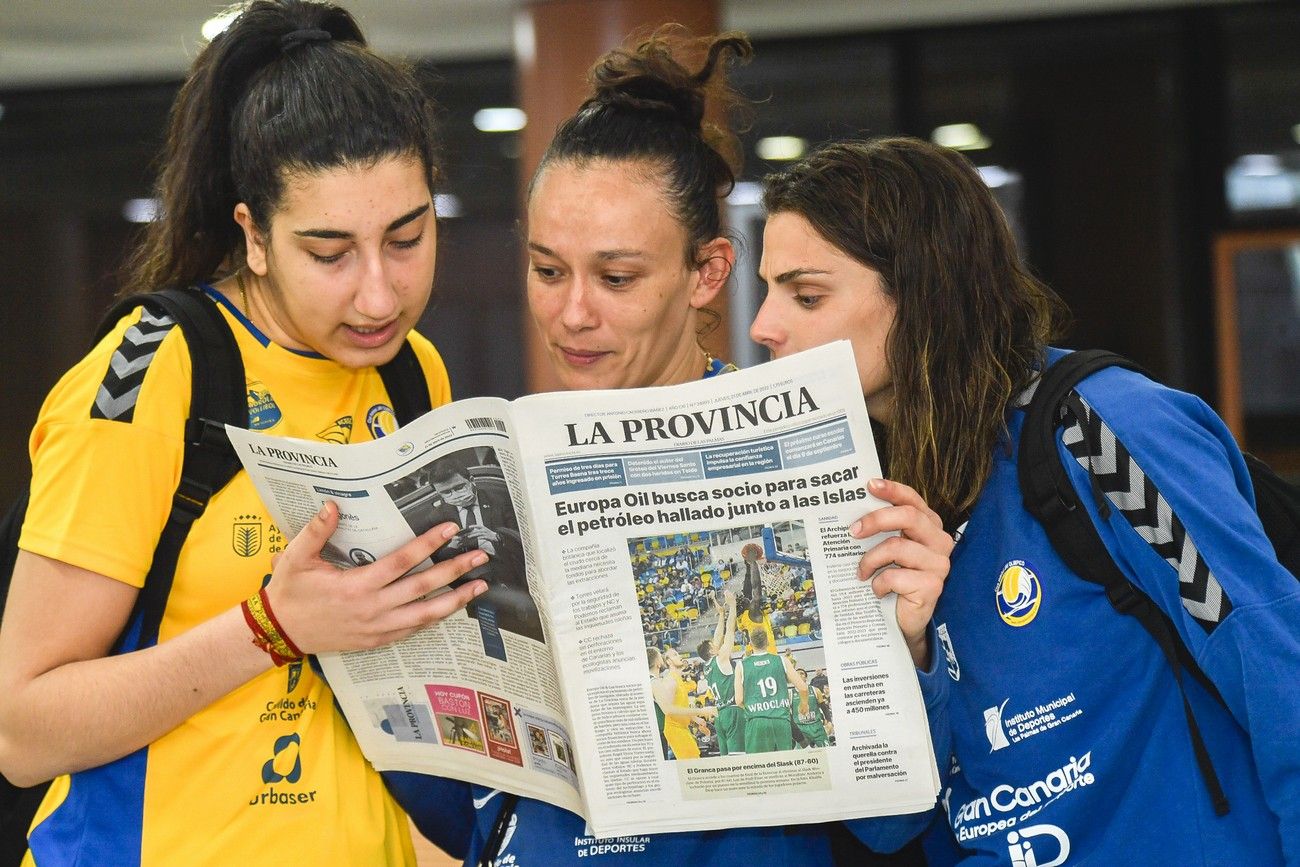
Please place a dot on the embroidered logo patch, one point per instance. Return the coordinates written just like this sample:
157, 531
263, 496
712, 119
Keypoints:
338, 433
263, 412
1019, 594
380, 420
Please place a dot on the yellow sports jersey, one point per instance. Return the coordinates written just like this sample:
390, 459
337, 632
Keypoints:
677, 729
749, 625
270, 772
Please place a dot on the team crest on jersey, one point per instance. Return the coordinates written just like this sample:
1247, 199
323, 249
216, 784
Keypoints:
263, 411
380, 420
246, 536
1019, 594
339, 433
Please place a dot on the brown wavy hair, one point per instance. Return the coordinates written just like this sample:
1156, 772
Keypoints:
971, 323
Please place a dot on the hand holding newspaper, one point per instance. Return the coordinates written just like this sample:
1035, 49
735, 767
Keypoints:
674, 636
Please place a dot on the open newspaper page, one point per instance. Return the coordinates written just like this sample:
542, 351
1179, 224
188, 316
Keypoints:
476, 696
665, 516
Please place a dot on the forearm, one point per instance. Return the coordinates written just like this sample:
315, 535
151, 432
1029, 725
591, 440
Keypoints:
681, 711
122, 703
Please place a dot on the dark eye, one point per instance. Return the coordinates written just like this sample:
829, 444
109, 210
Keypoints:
409, 243
546, 272
807, 302
617, 281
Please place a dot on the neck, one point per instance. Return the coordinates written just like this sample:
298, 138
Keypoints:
687, 364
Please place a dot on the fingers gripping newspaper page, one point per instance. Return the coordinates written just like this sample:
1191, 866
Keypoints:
700, 653
475, 697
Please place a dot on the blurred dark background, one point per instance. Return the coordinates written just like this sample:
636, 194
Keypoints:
1149, 159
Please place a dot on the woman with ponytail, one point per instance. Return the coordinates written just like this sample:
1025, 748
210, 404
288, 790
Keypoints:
626, 251
296, 196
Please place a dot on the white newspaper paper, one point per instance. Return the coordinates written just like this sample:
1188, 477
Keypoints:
615, 522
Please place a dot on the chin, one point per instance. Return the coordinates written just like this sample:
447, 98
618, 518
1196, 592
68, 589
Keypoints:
578, 382
572, 378
358, 359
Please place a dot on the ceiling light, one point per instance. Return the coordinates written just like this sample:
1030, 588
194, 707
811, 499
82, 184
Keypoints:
997, 176
447, 205
960, 137
141, 210
780, 147
1259, 165
216, 24
500, 119
746, 193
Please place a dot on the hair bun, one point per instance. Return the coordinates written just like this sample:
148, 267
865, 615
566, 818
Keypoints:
652, 78
650, 93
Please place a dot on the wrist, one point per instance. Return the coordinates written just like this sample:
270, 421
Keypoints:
919, 647
267, 633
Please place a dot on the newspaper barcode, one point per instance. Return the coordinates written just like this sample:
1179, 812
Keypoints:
486, 424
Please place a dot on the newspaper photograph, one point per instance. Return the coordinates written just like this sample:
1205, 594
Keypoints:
674, 636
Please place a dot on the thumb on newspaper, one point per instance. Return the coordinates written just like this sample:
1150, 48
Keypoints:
311, 540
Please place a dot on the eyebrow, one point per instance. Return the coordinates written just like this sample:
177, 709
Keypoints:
603, 255
796, 273
608, 255
413, 214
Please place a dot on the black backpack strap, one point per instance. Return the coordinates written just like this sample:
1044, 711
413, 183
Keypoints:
406, 385
1277, 502
1051, 498
217, 397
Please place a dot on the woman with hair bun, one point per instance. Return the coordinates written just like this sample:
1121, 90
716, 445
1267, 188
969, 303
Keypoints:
296, 197
626, 250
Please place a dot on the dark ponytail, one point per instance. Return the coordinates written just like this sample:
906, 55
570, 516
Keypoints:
646, 105
290, 86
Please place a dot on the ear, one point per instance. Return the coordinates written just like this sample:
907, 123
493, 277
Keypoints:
716, 258
254, 241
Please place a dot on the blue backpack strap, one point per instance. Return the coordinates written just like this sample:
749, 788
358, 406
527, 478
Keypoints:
1050, 497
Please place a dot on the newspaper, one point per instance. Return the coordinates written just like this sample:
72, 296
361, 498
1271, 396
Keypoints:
619, 526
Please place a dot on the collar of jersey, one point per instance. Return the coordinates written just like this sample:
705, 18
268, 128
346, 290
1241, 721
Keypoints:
716, 366
247, 323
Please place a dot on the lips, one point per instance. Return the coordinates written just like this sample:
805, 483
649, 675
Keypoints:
581, 357
370, 337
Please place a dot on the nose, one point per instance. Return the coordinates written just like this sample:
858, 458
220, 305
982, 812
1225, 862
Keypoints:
376, 299
766, 328
577, 313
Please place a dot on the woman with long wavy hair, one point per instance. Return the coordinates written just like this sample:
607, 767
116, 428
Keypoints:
1071, 736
